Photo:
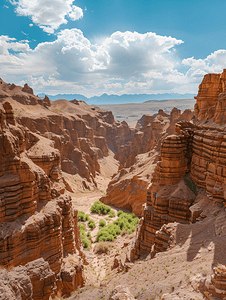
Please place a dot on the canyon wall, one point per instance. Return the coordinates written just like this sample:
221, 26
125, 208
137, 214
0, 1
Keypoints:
138, 158
81, 133
36, 218
194, 157
40, 247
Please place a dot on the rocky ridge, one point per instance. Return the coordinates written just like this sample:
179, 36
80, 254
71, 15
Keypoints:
81, 133
138, 160
40, 245
191, 159
36, 219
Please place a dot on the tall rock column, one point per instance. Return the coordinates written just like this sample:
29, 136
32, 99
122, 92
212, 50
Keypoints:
168, 197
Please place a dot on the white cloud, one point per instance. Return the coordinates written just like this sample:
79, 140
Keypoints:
76, 13
48, 15
214, 62
125, 62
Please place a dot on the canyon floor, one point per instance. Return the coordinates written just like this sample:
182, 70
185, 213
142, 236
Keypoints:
175, 274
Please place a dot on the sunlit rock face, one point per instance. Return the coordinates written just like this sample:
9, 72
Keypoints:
197, 150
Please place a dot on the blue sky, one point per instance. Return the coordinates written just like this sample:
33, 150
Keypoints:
114, 47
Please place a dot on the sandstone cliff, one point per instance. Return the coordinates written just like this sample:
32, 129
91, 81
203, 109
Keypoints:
192, 162
81, 133
39, 140
128, 188
35, 221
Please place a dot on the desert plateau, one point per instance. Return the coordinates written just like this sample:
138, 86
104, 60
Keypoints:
92, 208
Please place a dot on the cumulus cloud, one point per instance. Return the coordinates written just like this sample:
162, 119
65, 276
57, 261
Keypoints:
48, 15
125, 62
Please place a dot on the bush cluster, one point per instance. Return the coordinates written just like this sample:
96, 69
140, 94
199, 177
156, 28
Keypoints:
111, 214
82, 216
125, 223
89, 235
91, 224
102, 223
100, 208
85, 242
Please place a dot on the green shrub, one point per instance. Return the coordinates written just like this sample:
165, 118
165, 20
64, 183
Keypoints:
102, 223
119, 213
108, 233
111, 214
85, 242
126, 221
89, 235
91, 224
82, 216
100, 208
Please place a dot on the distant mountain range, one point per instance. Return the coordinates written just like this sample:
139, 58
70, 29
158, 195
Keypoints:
115, 99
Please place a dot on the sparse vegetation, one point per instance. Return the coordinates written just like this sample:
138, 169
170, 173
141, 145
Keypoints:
126, 222
85, 242
102, 223
101, 248
89, 235
82, 216
91, 224
100, 208
111, 214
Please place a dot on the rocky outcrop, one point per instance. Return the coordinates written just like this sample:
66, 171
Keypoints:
35, 221
128, 188
168, 197
81, 133
198, 149
126, 193
209, 90
216, 285
121, 293
166, 204
208, 158
35, 280
150, 130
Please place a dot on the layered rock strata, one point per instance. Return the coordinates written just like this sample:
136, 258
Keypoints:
35, 280
216, 285
132, 181
35, 221
149, 131
81, 133
209, 90
198, 149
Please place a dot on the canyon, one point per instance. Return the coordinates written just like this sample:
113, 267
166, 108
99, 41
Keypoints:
58, 157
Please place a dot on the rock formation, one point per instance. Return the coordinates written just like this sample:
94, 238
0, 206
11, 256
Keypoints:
40, 248
216, 285
35, 221
209, 90
128, 188
81, 133
193, 157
